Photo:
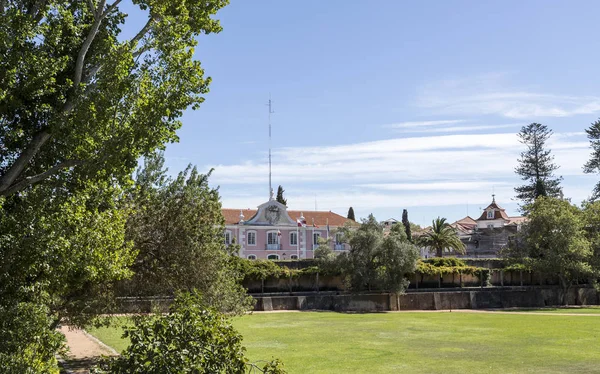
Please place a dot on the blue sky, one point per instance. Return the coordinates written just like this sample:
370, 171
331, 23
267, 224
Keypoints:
392, 104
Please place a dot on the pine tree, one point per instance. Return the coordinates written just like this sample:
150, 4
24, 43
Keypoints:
406, 224
280, 199
536, 165
593, 164
351, 214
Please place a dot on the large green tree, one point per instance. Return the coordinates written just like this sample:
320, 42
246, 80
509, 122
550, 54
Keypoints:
177, 229
376, 261
79, 104
554, 242
77, 100
536, 165
441, 236
593, 164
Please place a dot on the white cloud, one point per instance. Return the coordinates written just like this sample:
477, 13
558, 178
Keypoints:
492, 94
413, 124
458, 128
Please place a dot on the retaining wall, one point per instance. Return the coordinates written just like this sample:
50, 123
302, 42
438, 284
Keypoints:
467, 299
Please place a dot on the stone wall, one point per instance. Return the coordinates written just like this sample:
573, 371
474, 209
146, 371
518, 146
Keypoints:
481, 299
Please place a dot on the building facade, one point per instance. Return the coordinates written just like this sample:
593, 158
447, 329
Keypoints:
486, 236
273, 232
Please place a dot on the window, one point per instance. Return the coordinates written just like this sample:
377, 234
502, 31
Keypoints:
490, 214
227, 237
293, 238
251, 257
338, 238
490, 226
273, 257
316, 237
294, 257
251, 238
272, 237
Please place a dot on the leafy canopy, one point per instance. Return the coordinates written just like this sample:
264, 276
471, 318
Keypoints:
177, 228
440, 237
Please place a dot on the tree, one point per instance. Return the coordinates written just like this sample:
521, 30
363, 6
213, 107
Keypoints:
406, 224
79, 101
177, 229
376, 261
593, 164
79, 104
192, 338
441, 236
553, 242
351, 214
536, 165
280, 199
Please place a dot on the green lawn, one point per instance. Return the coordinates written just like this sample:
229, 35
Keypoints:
327, 342
567, 310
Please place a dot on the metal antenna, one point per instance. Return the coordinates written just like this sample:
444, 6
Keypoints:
270, 186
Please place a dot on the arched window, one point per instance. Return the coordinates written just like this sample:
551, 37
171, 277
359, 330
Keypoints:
251, 238
251, 257
294, 257
273, 257
490, 214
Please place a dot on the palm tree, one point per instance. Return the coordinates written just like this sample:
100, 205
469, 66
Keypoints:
440, 237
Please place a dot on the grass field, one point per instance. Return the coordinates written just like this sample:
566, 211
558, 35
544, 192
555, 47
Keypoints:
327, 342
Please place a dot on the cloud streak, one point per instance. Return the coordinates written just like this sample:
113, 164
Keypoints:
492, 94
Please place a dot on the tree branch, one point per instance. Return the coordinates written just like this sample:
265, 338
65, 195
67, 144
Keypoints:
39, 177
86, 45
19, 165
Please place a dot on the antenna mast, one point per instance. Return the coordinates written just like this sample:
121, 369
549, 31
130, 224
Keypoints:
270, 186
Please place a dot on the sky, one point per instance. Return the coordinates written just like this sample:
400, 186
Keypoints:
392, 105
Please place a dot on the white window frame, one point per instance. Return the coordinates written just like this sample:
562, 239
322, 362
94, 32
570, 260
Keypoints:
276, 256
248, 238
316, 235
490, 214
274, 232
228, 238
339, 237
251, 257
293, 234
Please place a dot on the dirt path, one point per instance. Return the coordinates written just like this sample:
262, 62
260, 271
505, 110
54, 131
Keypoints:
84, 350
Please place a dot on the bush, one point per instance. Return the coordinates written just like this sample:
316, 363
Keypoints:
190, 339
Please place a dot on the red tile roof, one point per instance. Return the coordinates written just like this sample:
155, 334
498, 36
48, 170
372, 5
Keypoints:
499, 213
465, 225
232, 217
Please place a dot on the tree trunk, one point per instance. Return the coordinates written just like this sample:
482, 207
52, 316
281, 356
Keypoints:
564, 285
439, 252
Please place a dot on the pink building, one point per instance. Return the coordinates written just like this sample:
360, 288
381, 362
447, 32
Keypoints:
275, 233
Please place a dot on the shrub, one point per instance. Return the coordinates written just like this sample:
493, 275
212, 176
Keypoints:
190, 339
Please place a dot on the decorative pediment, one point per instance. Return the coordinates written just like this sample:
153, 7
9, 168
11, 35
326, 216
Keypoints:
271, 213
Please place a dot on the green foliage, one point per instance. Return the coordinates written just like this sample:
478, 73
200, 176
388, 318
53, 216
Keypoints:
536, 165
593, 164
441, 236
351, 214
406, 224
27, 345
376, 261
79, 105
554, 241
177, 228
190, 339
78, 101
280, 199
